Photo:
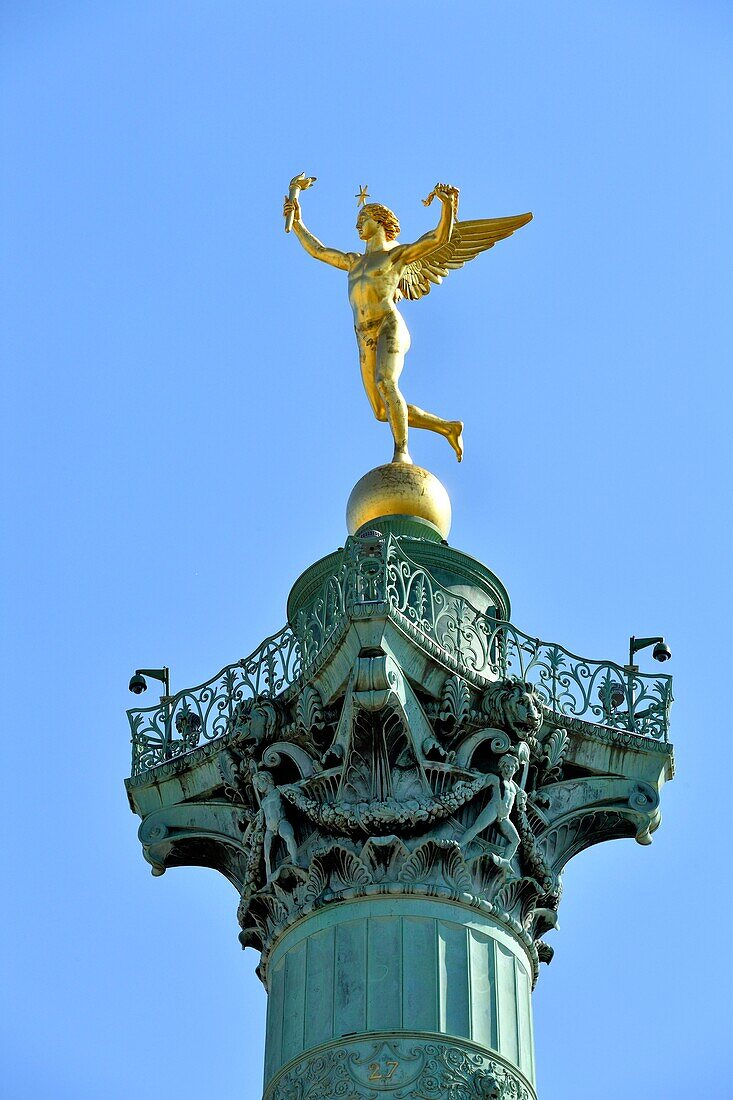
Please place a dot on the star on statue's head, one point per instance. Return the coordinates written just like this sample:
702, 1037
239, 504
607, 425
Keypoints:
363, 195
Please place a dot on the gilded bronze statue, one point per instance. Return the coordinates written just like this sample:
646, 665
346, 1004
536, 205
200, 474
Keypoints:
381, 276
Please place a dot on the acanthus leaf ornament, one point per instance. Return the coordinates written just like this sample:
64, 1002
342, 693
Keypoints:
455, 704
553, 751
451, 766
309, 715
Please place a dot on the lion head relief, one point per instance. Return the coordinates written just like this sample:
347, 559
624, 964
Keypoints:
515, 705
256, 720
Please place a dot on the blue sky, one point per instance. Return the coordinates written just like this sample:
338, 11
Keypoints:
183, 422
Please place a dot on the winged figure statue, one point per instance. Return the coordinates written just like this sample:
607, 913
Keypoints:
381, 276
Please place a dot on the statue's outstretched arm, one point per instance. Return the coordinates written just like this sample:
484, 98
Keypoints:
442, 233
312, 245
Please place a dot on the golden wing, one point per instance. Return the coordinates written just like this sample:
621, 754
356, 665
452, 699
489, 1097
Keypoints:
467, 240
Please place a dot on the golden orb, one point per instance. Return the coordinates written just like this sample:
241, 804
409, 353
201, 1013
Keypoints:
399, 489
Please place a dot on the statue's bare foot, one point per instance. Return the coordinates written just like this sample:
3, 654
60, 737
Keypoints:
454, 435
403, 456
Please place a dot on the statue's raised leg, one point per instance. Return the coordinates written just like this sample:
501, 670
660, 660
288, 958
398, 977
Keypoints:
451, 429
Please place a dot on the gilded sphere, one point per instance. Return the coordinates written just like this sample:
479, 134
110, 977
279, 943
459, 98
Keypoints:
398, 489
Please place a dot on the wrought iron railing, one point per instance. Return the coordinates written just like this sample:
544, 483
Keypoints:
376, 577
595, 691
204, 713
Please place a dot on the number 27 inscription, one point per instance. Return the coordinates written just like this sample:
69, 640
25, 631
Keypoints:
376, 1071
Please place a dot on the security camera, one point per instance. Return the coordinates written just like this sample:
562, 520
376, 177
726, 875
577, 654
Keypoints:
138, 684
371, 541
661, 651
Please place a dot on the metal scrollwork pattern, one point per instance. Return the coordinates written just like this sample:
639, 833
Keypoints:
383, 579
599, 691
400, 1069
376, 577
208, 711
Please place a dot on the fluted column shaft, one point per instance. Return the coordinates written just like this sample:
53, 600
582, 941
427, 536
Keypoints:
397, 994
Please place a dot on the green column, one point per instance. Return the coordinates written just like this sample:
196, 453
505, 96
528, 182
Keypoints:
395, 993
394, 784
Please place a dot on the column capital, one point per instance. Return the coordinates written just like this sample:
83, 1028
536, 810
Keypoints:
400, 738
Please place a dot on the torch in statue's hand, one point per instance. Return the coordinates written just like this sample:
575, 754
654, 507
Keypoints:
297, 184
447, 195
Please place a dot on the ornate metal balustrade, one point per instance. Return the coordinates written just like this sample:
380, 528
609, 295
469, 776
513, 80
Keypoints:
595, 691
206, 712
376, 577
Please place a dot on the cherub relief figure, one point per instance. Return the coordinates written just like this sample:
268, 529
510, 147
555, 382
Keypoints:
504, 794
381, 276
275, 819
